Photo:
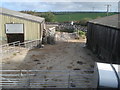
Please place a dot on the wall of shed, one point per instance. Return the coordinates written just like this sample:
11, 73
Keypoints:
104, 42
1, 30
32, 30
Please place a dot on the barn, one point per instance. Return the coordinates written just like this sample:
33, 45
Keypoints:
103, 38
16, 26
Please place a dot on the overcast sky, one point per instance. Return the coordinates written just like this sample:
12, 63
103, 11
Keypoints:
62, 5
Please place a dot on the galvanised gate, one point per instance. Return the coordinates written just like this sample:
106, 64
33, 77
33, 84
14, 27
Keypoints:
46, 79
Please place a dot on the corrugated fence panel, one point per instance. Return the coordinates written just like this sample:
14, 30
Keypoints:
104, 42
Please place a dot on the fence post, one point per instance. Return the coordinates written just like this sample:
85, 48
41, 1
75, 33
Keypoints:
14, 44
28, 76
68, 79
19, 46
25, 44
20, 80
36, 43
7, 48
32, 44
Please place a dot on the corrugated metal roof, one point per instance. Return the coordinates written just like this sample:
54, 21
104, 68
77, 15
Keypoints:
111, 21
20, 15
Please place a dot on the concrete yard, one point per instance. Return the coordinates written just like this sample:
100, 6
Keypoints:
61, 56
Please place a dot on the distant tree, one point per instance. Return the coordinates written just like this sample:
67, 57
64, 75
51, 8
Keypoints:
84, 21
49, 16
29, 12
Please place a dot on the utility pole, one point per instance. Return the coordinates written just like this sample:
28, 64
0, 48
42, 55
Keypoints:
108, 6
93, 8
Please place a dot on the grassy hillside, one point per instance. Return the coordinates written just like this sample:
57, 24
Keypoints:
67, 16
62, 17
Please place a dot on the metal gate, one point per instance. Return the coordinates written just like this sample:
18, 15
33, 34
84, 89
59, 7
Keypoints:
15, 47
46, 79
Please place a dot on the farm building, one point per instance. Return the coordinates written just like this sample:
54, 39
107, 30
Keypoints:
16, 26
103, 38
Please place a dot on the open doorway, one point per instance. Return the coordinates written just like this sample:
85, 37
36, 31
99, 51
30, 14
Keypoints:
15, 37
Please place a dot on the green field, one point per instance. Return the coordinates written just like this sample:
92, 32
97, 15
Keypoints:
63, 17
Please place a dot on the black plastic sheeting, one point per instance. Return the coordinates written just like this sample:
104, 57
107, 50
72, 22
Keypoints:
104, 42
